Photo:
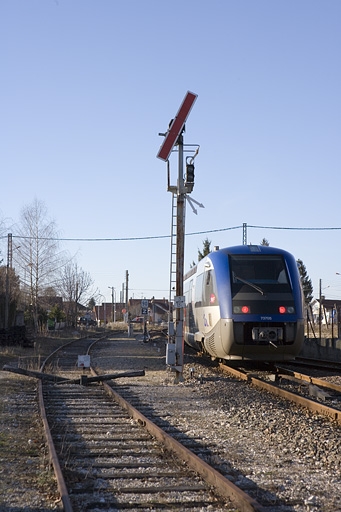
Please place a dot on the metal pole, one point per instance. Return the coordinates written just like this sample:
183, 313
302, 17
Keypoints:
244, 233
8, 267
127, 279
180, 251
320, 310
7, 297
112, 304
333, 312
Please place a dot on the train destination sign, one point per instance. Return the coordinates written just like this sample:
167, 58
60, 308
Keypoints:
176, 127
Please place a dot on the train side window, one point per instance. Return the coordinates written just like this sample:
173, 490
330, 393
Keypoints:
210, 297
199, 291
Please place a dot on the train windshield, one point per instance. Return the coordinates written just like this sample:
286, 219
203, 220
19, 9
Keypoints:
259, 273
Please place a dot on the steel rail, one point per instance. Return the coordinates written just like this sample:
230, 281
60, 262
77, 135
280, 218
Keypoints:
322, 364
223, 486
312, 380
311, 405
62, 488
64, 495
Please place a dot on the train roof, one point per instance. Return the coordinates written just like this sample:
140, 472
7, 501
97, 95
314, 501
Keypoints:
251, 249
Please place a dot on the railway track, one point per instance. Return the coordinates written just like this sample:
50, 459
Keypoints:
212, 415
275, 454
108, 456
313, 364
314, 394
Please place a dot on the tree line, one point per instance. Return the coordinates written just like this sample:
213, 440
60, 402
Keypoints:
45, 282
38, 277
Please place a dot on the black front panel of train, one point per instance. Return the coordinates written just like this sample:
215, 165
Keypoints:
260, 286
269, 306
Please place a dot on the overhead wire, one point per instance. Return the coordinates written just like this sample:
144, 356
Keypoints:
156, 237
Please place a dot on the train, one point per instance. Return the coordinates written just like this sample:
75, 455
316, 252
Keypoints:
245, 303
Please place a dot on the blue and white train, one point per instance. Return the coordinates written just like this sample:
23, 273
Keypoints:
245, 303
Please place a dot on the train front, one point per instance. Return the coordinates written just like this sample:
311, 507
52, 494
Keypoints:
261, 303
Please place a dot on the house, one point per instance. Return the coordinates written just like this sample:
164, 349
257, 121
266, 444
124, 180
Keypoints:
330, 311
108, 312
156, 313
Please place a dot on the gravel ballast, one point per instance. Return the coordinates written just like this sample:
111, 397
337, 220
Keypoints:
266, 445
279, 453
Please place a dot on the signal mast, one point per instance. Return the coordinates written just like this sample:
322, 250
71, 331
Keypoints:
185, 184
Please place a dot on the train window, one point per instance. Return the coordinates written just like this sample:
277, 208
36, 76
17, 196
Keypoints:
198, 290
189, 291
209, 295
258, 269
206, 290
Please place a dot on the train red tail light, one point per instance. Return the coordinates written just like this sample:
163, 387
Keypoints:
241, 309
284, 309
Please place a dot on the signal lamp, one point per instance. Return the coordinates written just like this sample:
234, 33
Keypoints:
189, 178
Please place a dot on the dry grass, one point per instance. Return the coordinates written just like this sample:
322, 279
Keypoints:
26, 478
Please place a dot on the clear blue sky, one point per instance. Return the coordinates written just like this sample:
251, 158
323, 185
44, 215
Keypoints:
87, 85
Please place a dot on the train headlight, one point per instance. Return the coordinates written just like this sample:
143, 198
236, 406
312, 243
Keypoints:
282, 309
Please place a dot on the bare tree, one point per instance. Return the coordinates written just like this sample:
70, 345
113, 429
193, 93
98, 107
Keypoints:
9, 296
37, 257
75, 286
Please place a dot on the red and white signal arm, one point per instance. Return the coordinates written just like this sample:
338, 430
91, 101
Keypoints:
177, 125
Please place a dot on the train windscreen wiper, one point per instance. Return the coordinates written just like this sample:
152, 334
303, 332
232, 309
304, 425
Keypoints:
248, 283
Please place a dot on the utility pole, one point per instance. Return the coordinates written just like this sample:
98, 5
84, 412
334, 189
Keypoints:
127, 280
8, 267
113, 303
320, 309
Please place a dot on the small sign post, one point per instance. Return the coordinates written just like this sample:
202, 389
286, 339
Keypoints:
84, 361
144, 312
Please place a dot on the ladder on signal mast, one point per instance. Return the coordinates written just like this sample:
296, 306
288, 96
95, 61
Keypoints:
172, 272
